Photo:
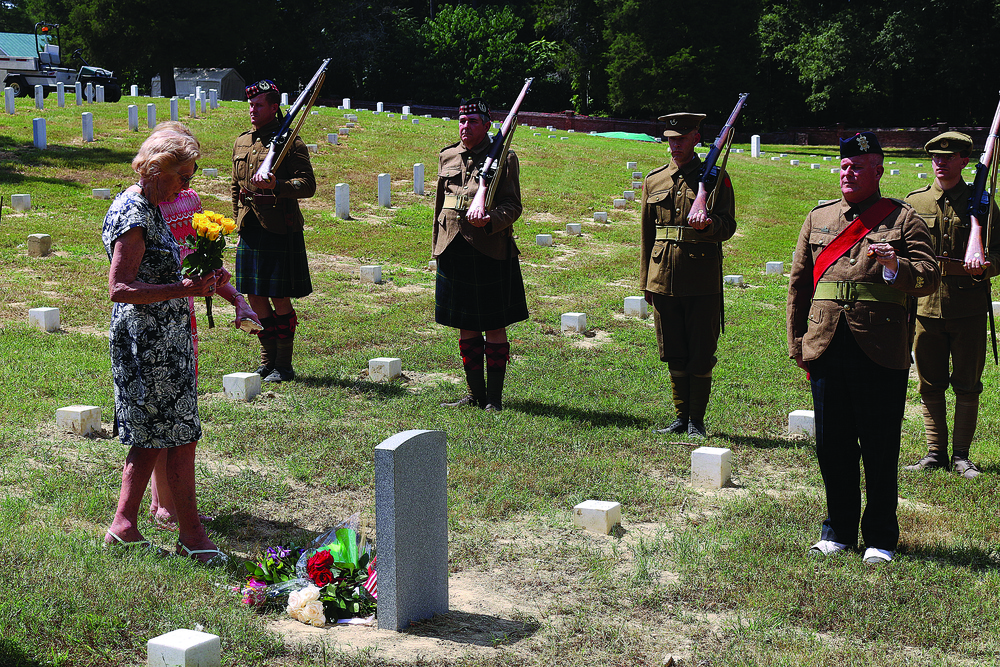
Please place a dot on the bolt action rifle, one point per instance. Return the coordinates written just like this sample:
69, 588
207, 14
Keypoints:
981, 206
497, 156
285, 136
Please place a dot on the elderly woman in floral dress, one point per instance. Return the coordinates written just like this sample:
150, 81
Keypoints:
152, 355
178, 214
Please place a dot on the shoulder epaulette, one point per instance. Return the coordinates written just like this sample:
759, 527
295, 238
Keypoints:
830, 202
917, 192
449, 146
657, 170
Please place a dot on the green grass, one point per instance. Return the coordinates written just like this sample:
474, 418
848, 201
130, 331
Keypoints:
716, 578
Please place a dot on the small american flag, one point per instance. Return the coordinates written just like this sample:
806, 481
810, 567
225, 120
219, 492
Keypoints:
371, 583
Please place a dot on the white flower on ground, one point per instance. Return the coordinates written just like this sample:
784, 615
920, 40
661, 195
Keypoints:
304, 605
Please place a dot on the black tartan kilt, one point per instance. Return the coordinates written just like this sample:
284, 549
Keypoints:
477, 292
269, 264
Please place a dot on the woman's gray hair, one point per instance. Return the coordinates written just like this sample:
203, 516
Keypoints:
163, 149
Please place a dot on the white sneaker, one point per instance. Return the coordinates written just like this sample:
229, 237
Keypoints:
875, 556
827, 547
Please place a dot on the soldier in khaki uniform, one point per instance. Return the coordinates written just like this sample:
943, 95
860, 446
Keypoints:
479, 286
951, 322
271, 265
856, 261
681, 270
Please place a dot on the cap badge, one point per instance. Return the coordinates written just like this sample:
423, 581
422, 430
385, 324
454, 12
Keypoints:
863, 143
943, 143
673, 121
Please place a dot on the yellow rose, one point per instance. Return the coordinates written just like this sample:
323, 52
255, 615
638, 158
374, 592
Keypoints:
212, 232
228, 225
208, 214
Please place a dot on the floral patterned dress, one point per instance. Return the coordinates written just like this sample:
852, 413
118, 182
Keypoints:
152, 355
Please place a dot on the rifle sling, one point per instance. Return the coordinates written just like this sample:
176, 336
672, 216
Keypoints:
851, 235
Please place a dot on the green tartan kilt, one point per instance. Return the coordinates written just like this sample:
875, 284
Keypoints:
477, 292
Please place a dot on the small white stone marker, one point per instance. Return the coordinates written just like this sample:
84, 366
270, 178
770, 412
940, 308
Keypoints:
794, 163
635, 306
79, 419
597, 516
600, 216
427, 115
101, 193
631, 166
636, 175
894, 172
636, 185
384, 369
241, 386
192, 106
827, 158
573, 228
20, 202
406, 111
46, 319
737, 150
416, 121
313, 148
90, 93
537, 134
371, 274
8, 100
755, 146
996, 309
39, 97
331, 138
134, 90
342, 201
834, 170
404, 116
775, 158
38, 130
783, 154
418, 178
919, 164
184, 648
552, 136
733, 280
385, 190
574, 322
133, 118
174, 109
620, 203
711, 467
543, 239
379, 107
891, 162
815, 165
774, 268
629, 195
213, 98
922, 175
39, 246
348, 125
701, 156
78, 93
432, 265
210, 172
61, 94
802, 421
343, 131
151, 115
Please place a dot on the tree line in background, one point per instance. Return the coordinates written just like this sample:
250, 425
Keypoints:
804, 62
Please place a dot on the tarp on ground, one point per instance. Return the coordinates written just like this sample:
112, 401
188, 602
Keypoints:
634, 136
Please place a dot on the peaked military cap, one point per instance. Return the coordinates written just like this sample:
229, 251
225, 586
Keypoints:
679, 124
862, 143
475, 105
950, 142
262, 86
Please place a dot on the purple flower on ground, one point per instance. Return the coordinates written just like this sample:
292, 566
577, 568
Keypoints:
277, 553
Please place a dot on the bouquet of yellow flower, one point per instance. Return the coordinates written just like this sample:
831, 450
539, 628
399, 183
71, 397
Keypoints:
206, 244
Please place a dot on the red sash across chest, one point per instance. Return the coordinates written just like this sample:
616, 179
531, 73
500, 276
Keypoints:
853, 233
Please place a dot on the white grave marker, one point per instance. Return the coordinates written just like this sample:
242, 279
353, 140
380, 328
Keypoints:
8, 100
38, 132
733, 280
600, 216
61, 94
342, 201
573, 228
597, 516
332, 138
574, 322
635, 306
79, 419
134, 90
802, 421
133, 118
46, 319
150, 115
184, 648
39, 97
39, 245
384, 369
101, 193
88, 126
20, 202
371, 274
384, 190
543, 239
241, 386
711, 467
755, 146
774, 268
418, 178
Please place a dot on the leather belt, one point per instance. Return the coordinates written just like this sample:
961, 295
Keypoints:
457, 202
848, 290
685, 234
248, 197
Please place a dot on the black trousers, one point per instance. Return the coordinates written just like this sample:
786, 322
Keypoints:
859, 412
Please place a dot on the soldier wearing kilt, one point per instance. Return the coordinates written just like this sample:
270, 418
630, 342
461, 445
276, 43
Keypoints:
479, 287
271, 265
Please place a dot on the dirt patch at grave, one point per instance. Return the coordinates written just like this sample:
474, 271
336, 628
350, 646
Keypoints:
592, 338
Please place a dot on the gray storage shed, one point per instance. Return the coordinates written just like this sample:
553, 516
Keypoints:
226, 80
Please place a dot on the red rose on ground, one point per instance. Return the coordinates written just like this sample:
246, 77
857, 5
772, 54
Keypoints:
318, 568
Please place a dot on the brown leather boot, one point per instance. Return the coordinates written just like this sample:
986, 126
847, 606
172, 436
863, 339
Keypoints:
936, 427
966, 416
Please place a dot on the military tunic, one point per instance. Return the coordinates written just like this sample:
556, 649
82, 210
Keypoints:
951, 321
271, 256
682, 266
479, 285
858, 355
